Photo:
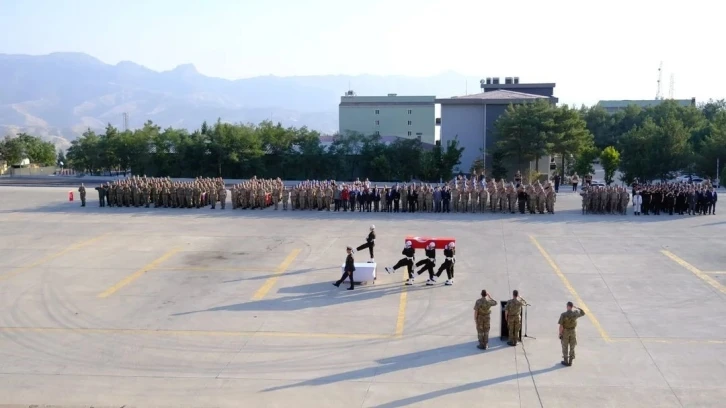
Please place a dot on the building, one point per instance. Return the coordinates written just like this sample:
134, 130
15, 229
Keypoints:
392, 115
326, 141
471, 118
616, 106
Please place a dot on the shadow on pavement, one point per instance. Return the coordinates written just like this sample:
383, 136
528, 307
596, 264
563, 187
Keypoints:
411, 361
314, 295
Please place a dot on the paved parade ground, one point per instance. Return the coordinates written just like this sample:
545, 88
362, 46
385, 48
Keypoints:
137, 307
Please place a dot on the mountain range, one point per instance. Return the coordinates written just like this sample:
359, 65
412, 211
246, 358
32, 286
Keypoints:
60, 95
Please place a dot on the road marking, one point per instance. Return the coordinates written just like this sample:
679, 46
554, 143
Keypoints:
201, 333
151, 266
271, 281
48, 258
715, 272
403, 300
704, 277
578, 300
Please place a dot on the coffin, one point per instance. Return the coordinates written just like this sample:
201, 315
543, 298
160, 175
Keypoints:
422, 242
364, 272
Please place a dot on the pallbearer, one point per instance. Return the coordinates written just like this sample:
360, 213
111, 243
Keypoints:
428, 263
407, 261
448, 265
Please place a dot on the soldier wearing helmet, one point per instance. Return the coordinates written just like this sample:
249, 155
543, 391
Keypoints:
408, 258
448, 265
370, 243
429, 263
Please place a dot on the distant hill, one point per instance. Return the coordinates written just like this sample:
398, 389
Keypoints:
59, 95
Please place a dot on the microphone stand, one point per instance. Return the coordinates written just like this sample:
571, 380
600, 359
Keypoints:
526, 308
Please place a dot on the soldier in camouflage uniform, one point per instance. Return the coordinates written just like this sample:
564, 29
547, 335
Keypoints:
568, 332
482, 317
513, 316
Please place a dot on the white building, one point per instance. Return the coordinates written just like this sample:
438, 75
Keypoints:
400, 116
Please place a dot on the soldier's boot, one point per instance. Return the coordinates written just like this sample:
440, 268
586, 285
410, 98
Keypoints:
511, 343
570, 361
565, 361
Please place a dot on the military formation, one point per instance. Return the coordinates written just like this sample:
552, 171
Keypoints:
162, 192
605, 200
664, 198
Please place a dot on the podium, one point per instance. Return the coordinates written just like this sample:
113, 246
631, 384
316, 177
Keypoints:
504, 327
364, 272
423, 242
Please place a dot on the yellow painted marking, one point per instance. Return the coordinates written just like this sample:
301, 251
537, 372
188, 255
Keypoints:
201, 333
115, 288
401, 320
716, 272
213, 269
704, 277
49, 258
271, 281
578, 300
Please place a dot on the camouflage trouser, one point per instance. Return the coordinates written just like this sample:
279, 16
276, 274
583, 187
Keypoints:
284, 202
569, 341
482, 328
276, 200
430, 205
515, 325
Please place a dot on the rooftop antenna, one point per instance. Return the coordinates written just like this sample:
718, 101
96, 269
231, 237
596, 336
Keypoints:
466, 87
670, 90
658, 95
126, 121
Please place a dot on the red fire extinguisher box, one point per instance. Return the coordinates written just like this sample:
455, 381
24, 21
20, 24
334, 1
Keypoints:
422, 242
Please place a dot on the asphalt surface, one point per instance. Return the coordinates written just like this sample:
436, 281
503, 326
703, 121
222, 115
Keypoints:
142, 307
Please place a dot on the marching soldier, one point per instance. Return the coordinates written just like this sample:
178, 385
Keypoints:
568, 332
482, 317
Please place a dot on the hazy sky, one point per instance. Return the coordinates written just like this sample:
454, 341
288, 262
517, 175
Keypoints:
593, 49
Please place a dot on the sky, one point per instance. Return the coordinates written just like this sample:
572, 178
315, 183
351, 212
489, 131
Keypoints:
592, 49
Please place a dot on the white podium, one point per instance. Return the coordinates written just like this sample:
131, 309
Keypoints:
364, 272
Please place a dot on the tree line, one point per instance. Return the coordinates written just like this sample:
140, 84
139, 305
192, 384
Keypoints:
646, 144
264, 150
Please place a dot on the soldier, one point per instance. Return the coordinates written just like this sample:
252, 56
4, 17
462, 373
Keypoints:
568, 332
285, 197
276, 194
348, 269
212, 195
448, 265
100, 195
482, 318
409, 256
370, 243
483, 195
455, 198
222, 193
550, 199
82, 192
513, 316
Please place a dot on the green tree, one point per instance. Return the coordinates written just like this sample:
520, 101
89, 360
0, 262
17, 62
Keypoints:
610, 160
569, 135
525, 132
600, 124
12, 151
584, 160
61, 158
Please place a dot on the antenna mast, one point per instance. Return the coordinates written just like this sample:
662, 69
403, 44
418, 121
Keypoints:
670, 91
126, 121
658, 95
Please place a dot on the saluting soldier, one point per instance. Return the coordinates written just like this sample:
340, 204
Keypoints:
568, 332
482, 317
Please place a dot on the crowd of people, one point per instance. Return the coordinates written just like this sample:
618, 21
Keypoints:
461, 195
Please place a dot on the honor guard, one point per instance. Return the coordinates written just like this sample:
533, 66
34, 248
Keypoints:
407, 261
370, 243
348, 269
448, 265
428, 263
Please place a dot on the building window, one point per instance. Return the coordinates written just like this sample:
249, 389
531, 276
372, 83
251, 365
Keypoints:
378, 122
409, 123
377, 112
409, 111
409, 133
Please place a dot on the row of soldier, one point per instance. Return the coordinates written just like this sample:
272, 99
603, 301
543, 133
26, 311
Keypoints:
160, 192
605, 200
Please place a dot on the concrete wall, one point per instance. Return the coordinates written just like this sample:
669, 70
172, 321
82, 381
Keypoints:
31, 171
389, 116
468, 122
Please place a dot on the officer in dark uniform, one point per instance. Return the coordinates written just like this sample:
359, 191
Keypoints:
348, 269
